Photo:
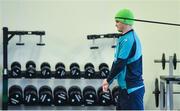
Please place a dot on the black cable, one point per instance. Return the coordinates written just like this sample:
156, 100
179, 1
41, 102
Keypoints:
148, 21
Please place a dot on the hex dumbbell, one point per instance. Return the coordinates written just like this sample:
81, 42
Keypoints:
15, 70
45, 70
15, 95
89, 71
30, 70
75, 72
30, 95
60, 70
60, 96
45, 95
103, 70
104, 98
89, 95
75, 96
115, 94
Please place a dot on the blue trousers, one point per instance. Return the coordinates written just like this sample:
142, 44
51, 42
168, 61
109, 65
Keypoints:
132, 101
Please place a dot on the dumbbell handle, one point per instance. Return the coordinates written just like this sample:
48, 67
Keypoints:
159, 61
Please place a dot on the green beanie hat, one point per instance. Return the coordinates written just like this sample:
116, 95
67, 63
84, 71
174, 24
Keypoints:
125, 13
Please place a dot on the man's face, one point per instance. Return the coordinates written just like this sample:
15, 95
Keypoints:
119, 26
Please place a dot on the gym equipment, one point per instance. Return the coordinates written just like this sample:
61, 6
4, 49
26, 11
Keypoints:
60, 70
157, 92
89, 71
40, 40
7, 36
166, 84
93, 37
89, 95
114, 43
75, 96
45, 96
30, 70
164, 61
103, 70
148, 21
45, 70
60, 96
15, 95
104, 98
20, 41
30, 95
15, 70
100, 36
175, 61
75, 72
115, 94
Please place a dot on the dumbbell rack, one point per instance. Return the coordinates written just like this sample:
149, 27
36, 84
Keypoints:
7, 36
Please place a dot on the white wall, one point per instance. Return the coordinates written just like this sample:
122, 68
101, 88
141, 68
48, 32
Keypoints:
68, 22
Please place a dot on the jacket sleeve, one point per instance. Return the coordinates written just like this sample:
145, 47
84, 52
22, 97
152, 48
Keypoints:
117, 67
121, 56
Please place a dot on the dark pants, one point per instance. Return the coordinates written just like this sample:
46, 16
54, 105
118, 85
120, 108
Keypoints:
132, 101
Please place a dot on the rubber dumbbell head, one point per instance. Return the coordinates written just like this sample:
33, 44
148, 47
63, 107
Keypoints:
75, 72
103, 70
60, 96
75, 96
89, 95
45, 96
115, 94
89, 71
15, 95
30, 70
45, 70
15, 70
60, 70
30, 95
104, 98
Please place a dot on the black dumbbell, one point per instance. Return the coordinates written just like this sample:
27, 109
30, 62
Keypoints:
115, 94
30, 95
60, 96
104, 98
75, 96
30, 70
45, 70
15, 95
89, 71
45, 96
90, 97
75, 72
15, 70
60, 70
103, 70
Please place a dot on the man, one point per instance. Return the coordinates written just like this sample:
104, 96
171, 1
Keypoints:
127, 65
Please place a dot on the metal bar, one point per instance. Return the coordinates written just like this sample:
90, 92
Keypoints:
170, 85
169, 96
148, 21
5, 69
27, 32
161, 95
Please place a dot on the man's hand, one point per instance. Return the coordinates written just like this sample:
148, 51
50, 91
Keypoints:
105, 85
